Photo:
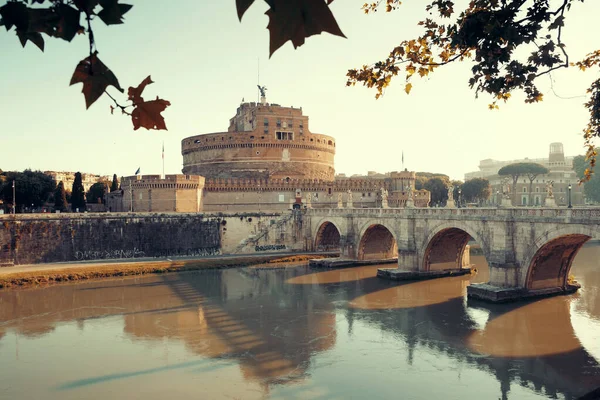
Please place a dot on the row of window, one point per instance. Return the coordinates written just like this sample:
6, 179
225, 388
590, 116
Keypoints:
537, 190
280, 135
285, 124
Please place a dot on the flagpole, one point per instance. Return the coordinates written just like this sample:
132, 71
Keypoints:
402, 160
163, 159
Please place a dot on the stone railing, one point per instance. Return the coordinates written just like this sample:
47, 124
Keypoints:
591, 215
121, 215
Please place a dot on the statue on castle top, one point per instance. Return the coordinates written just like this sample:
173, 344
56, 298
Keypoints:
549, 187
263, 90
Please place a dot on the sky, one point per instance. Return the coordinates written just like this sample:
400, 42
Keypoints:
204, 61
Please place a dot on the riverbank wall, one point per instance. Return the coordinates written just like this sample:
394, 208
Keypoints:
49, 238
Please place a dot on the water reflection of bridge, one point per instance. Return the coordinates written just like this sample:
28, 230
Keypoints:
272, 323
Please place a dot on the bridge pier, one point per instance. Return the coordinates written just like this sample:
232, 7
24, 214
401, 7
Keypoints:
497, 294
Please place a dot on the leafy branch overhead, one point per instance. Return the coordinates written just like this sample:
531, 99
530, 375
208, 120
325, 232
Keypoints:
295, 20
64, 19
510, 43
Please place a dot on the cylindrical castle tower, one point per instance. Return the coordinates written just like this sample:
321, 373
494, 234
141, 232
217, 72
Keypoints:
264, 141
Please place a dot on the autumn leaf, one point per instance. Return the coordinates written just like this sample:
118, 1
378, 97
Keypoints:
135, 94
296, 20
96, 77
112, 12
407, 88
242, 6
147, 114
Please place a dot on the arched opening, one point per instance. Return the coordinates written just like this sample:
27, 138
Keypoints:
377, 243
327, 238
551, 264
446, 250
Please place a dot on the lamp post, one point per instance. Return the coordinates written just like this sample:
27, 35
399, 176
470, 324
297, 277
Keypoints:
497, 198
570, 205
459, 192
14, 198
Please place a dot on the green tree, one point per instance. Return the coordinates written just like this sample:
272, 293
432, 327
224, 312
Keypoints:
591, 188
115, 183
77, 194
32, 188
97, 192
438, 189
60, 198
531, 170
476, 190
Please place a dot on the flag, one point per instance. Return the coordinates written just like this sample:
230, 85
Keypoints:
163, 153
138, 171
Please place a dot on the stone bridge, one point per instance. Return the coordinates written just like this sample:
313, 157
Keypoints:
529, 250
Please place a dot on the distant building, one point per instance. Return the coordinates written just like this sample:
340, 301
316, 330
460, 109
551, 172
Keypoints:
561, 173
67, 178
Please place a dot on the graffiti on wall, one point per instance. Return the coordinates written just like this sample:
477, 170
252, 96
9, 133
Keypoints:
205, 252
108, 254
269, 247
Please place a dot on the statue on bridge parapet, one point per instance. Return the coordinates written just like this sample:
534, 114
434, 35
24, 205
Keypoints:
505, 201
340, 201
349, 200
384, 198
450, 201
549, 200
410, 203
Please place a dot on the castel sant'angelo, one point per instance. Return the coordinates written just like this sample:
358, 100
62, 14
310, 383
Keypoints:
267, 160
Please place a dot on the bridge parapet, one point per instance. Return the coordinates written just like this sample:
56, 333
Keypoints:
590, 215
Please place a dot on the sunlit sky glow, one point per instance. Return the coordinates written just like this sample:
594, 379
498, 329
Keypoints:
204, 61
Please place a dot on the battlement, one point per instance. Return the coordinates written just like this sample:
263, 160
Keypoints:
177, 181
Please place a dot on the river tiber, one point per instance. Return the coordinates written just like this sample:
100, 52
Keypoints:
260, 273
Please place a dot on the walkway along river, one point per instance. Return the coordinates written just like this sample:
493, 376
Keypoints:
296, 333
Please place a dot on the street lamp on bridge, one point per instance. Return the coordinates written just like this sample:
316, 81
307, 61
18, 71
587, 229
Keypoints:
570, 205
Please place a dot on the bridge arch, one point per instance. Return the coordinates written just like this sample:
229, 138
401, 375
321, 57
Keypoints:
548, 263
377, 241
327, 237
444, 247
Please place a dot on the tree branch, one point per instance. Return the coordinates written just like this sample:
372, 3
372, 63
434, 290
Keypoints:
118, 105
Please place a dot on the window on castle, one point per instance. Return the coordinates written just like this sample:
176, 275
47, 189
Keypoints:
290, 123
524, 190
266, 122
285, 135
278, 122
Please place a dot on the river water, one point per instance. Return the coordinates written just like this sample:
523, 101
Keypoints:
297, 333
